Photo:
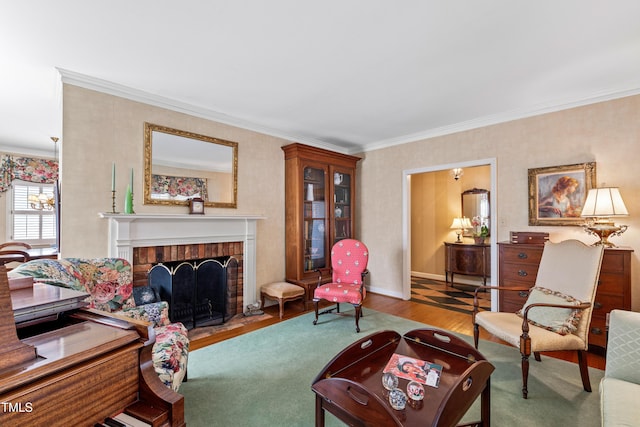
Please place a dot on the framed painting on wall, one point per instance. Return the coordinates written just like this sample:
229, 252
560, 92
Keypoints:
557, 193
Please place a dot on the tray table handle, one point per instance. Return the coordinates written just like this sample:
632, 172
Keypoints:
362, 399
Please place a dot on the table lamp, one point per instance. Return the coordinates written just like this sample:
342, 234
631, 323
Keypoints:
602, 204
460, 224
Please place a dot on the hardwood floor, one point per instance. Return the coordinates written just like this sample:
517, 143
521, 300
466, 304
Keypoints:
434, 316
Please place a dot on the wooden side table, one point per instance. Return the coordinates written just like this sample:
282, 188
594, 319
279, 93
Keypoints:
470, 259
350, 386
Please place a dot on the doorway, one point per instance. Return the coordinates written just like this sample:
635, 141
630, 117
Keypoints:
427, 218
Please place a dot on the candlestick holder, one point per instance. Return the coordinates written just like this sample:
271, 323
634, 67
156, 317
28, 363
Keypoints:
132, 210
113, 201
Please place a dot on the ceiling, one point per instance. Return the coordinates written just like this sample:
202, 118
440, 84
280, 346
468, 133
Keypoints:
349, 75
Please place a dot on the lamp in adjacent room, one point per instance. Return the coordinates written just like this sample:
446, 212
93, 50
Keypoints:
460, 224
456, 173
600, 206
41, 202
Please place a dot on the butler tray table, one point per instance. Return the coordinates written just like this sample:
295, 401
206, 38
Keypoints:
350, 385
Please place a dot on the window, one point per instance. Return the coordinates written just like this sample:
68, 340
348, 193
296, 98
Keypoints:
26, 223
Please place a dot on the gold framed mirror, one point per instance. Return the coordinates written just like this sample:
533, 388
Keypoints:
181, 165
475, 204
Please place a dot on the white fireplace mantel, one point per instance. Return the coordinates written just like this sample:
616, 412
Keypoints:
140, 230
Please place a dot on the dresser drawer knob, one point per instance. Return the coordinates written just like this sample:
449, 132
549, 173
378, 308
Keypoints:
522, 255
597, 305
522, 273
523, 294
596, 331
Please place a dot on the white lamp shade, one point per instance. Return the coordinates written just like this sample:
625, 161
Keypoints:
461, 223
457, 224
604, 202
466, 223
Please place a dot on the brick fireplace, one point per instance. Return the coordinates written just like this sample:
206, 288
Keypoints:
147, 239
144, 258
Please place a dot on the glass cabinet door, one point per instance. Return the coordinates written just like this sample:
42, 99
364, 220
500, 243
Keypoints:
342, 205
315, 218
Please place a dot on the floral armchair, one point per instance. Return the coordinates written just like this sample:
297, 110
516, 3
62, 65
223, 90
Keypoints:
109, 282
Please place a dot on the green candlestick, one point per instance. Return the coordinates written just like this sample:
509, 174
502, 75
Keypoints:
128, 201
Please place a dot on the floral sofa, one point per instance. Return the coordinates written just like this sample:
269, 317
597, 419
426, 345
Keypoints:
109, 282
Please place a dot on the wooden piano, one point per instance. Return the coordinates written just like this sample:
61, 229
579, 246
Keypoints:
89, 367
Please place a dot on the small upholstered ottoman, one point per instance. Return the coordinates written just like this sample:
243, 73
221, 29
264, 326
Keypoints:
282, 292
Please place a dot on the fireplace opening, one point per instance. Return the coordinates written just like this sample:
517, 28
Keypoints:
200, 292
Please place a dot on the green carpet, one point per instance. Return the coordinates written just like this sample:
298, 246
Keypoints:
263, 378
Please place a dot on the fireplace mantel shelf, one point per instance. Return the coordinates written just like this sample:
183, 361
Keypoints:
135, 217
128, 231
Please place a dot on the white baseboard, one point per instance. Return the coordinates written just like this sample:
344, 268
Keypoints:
431, 276
384, 292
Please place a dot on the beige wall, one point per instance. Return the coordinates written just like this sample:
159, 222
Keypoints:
99, 129
607, 133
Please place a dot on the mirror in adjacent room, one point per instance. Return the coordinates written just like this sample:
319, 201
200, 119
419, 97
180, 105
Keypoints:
475, 203
180, 165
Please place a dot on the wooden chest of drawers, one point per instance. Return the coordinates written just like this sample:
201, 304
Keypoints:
518, 266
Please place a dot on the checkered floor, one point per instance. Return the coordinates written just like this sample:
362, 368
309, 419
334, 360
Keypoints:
436, 293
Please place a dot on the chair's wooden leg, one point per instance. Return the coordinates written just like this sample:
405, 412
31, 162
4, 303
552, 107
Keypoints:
315, 306
525, 351
476, 335
584, 370
536, 355
525, 375
281, 305
337, 307
358, 314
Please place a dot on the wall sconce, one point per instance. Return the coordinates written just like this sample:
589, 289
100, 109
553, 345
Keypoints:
457, 173
600, 206
460, 224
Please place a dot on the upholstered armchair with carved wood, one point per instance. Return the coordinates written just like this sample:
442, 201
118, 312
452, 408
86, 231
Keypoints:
109, 282
557, 313
349, 259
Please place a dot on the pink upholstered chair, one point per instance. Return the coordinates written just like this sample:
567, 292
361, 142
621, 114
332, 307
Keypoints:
349, 260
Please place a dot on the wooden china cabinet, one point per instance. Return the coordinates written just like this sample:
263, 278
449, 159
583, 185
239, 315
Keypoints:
320, 188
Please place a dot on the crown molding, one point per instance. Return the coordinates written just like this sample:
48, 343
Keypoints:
508, 116
115, 89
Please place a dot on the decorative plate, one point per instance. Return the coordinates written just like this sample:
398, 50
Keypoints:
397, 399
415, 390
389, 381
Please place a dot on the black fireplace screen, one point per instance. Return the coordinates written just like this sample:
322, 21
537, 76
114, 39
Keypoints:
199, 292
